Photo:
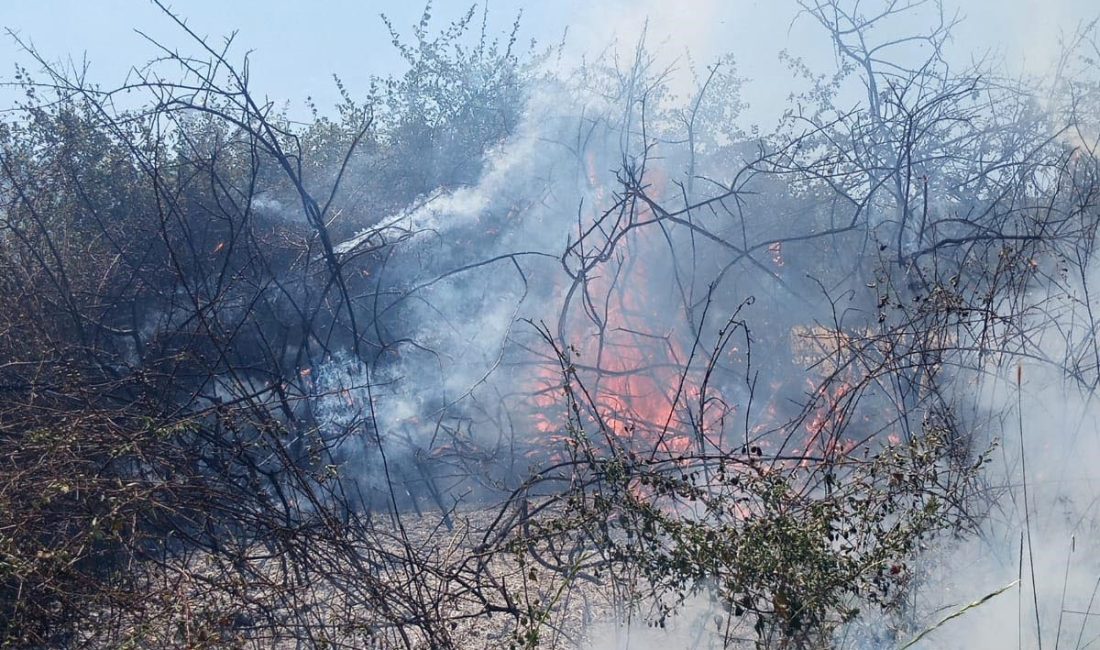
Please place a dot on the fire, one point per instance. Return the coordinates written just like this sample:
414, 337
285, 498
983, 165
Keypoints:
776, 251
629, 345
626, 348
828, 421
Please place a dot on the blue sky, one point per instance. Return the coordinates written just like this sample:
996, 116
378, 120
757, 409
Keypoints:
296, 47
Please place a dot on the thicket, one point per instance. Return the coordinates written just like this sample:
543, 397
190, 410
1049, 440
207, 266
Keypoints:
174, 275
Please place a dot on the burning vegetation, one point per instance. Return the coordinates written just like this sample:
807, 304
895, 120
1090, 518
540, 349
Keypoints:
503, 350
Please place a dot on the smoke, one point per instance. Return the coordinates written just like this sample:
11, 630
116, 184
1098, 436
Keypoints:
698, 624
797, 292
553, 232
1048, 433
467, 350
474, 266
682, 36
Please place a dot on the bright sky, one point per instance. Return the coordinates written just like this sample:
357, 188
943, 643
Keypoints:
297, 46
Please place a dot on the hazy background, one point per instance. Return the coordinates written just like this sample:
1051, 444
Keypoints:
296, 47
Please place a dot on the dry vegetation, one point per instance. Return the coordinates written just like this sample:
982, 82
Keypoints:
737, 375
